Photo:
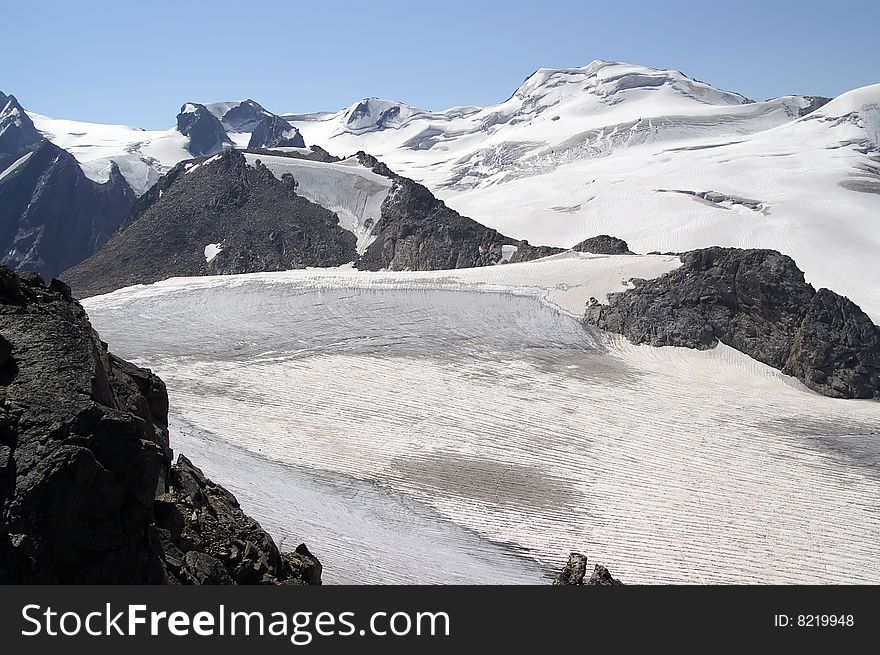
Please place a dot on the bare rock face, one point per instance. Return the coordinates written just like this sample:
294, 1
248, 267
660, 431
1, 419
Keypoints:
87, 491
603, 245
51, 215
205, 131
83, 452
274, 132
255, 222
757, 302
575, 570
526, 252
418, 232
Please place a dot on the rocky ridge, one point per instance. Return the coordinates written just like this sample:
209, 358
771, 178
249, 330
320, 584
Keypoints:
51, 215
215, 216
417, 231
88, 492
757, 302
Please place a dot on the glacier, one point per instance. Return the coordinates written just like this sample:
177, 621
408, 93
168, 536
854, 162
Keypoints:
473, 405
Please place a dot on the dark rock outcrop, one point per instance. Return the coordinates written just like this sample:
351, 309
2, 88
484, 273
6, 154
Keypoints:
267, 130
205, 132
84, 454
418, 232
275, 132
603, 245
18, 136
575, 570
51, 215
813, 103
244, 116
526, 252
254, 222
757, 302
259, 222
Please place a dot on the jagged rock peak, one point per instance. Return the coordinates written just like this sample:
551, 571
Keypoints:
205, 132
275, 132
17, 131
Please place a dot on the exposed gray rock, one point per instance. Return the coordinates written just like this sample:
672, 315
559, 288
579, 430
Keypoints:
757, 302
259, 221
205, 132
317, 153
18, 136
527, 252
261, 224
721, 199
84, 455
418, 232
244, 117
51, 215
813, 103
275, 132
602, 577
603, 245
575, 570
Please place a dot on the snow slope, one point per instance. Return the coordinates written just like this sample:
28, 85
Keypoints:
495, 413
632, 151
654, 157
555, 116
142, 155
351, 190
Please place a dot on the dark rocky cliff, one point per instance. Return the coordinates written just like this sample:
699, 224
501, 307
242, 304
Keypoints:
416, 231
88, 493
51, 215
206, 134
275, 132
757, 302
259, 223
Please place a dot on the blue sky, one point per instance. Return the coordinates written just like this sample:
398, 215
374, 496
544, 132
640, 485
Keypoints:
138, 62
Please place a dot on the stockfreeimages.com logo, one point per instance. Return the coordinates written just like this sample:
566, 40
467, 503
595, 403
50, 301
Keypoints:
299, 627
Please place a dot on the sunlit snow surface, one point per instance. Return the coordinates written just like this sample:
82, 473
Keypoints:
452, 426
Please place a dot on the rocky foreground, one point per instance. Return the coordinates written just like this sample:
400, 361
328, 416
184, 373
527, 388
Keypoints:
88, 490
757, 302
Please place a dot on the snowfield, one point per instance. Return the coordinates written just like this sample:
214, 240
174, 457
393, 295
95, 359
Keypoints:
634, 152
666, 162
142, 155
385, 413
353, 191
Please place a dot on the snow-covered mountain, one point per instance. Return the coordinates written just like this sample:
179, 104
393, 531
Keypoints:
144, 155
51, 215
556, 116
664, 161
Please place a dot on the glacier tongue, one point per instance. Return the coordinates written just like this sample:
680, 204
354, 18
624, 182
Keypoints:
462, 392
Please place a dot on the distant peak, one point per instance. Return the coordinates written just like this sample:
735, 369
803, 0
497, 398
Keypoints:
372, 114
609, 79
